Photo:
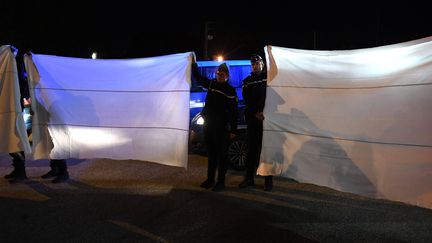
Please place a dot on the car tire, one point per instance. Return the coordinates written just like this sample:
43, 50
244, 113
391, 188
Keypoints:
237, 151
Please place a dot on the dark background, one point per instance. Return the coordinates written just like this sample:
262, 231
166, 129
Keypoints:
135, 29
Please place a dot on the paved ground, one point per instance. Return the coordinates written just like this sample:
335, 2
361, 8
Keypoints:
134, 201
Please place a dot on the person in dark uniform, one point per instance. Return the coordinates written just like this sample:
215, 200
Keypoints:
220, 123
254, 94
58, 166
58, 171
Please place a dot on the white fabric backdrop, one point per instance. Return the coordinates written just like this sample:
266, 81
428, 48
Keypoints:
357, 120
13, 134
118, 109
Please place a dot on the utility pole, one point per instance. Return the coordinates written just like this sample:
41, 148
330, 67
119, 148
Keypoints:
208, 35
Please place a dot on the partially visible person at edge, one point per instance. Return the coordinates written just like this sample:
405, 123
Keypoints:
58, 166
220, 123
18, 173
254, 94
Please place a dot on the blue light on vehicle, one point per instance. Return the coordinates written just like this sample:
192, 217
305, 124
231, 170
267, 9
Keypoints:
229, 62
195, 104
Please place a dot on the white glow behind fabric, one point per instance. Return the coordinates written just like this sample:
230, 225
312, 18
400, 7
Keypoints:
13, 134
357, 121
118, 109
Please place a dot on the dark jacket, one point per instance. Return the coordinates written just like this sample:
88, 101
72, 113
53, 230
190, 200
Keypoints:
221, 101
22, 77
254, 93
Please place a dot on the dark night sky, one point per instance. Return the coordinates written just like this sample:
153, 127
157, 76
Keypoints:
141, 29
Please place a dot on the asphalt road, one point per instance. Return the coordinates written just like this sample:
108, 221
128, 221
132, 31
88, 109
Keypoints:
135, 201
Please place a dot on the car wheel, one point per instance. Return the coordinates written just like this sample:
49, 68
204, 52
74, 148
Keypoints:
237, 152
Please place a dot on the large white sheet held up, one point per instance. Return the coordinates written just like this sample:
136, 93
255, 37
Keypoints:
13, 135
357, 121
118, 109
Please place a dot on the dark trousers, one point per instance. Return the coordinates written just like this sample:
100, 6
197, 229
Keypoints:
18, 157
18, 162
254, 141
216, 138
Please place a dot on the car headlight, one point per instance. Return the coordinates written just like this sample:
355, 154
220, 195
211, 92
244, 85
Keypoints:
200, 121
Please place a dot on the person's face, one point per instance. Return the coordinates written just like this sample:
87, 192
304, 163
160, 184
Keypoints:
221, 77
257, 66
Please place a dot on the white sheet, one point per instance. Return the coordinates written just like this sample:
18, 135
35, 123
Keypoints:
118, 109
357, 121
13, 135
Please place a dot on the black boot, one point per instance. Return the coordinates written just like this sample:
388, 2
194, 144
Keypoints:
18, 174
268, 183
63, 174
17, 162
53, 172
12, 174
220, 185
207, 184
248, 181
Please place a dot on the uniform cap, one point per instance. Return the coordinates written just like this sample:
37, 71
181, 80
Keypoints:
255, 58
223, 68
